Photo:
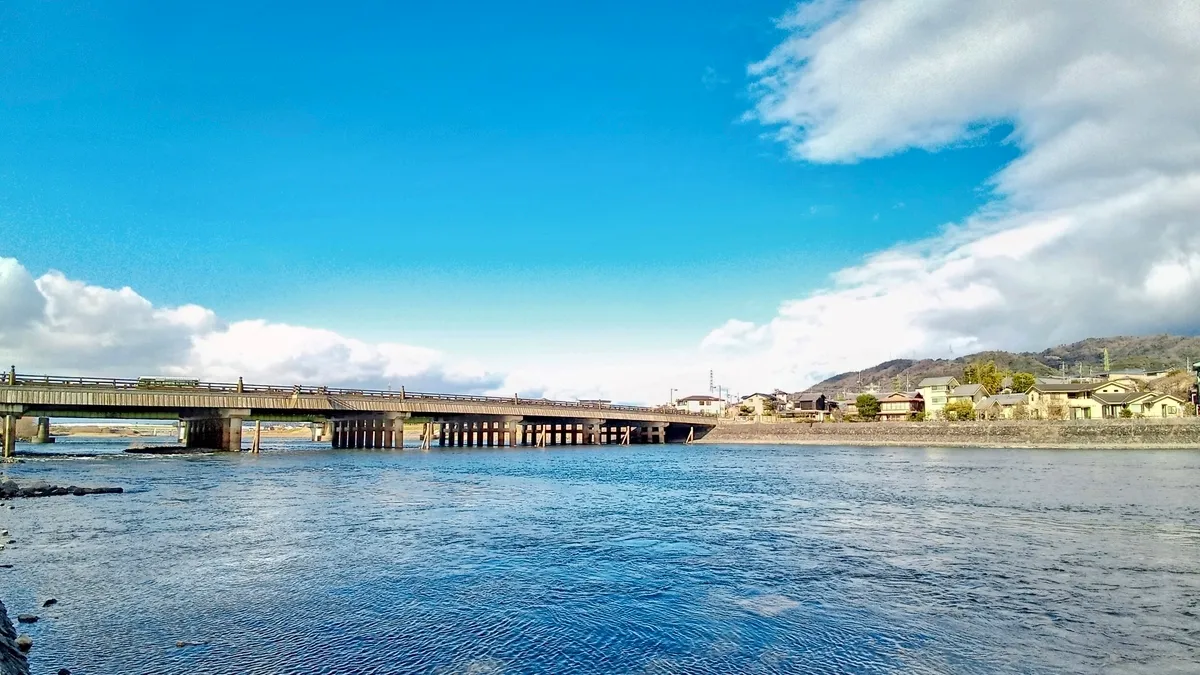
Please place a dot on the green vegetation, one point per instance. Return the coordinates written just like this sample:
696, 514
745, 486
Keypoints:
1023, 382
985, 373
960, 410
868, 406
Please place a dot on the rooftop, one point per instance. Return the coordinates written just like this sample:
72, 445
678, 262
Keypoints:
937, 381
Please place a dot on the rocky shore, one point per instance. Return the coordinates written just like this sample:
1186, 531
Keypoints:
1133, 433
12, 658
11, 489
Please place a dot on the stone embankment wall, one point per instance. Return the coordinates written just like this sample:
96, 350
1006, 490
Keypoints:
12, 661
1148, 433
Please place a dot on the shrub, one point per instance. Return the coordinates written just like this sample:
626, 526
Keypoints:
868, 406
960, 410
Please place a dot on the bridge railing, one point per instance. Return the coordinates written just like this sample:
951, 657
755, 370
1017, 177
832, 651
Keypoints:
308, 390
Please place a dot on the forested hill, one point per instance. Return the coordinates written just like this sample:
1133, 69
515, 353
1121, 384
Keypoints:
1149, 352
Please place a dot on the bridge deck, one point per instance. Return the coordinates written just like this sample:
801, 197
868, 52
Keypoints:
95, 397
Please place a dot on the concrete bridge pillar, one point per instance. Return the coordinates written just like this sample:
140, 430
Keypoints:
43, 431
9, 428
396, 435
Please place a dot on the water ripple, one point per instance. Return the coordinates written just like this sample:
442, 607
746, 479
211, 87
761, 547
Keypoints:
653, 560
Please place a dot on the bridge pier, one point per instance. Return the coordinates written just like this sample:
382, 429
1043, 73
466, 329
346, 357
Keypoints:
43, 431
370, 432
10, 436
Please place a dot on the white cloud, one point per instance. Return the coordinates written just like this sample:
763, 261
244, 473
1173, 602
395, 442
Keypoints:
1095, 228
59, 325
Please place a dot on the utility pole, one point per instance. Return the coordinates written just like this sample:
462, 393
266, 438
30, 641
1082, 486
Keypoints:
710, 382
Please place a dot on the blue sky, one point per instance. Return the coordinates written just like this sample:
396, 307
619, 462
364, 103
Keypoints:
479, 176
582, 200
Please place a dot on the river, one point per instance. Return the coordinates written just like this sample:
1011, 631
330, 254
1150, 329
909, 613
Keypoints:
661, 559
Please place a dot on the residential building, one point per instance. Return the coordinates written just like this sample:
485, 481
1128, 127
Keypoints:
760, 403
811, 405
709, 405
1003, 406
968, 392
1141, 404
935, 391
1076, 400
900, 406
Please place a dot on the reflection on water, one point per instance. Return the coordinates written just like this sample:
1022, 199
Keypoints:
646, 559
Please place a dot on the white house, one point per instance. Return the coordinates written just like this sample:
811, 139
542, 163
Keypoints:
709, 405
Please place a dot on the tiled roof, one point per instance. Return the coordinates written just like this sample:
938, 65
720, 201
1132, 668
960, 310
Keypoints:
968, 390
1004, 399
937, 381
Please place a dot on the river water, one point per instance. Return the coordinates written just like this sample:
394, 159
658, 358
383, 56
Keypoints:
661, 559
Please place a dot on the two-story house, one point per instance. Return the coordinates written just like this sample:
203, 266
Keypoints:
900, 406
935, 391
810, 404
759, 403
709, 405
1078, 400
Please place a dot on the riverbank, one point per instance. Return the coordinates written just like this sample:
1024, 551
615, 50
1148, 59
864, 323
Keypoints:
1133, 433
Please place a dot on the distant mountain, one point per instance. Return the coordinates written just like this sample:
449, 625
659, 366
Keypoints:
1086, 356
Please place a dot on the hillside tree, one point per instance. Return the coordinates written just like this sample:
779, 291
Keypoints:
1023, 382
985, 373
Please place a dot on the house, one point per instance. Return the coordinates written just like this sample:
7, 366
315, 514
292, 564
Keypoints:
900, 406
936, 391
1076, 401
760, 403
1141, 404
1003, 406
1163, 405
811, 405
709, 405
968, 392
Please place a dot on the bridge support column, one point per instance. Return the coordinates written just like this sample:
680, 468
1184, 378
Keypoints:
10, 436
182, 431
256, 444
396, 433
43, 431
231, 434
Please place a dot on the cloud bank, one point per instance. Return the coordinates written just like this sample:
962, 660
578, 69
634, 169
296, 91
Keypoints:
62, 326
1095, 229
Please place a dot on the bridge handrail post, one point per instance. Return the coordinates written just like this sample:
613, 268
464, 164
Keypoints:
401, 392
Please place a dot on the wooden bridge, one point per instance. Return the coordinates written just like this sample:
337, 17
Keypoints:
212, 415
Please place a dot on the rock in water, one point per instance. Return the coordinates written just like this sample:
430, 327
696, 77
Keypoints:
50, 603
27, 618
12, 657
63, 671
24, 643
